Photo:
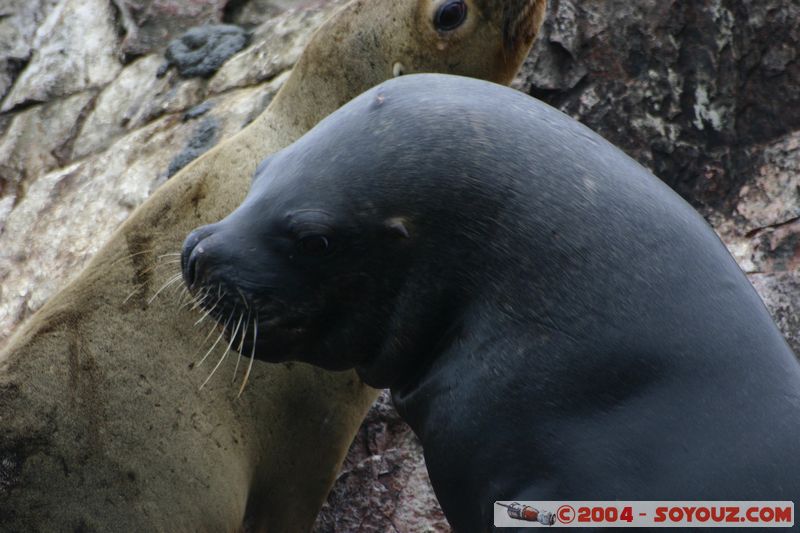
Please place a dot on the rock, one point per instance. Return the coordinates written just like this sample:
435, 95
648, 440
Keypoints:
772, 196
74, 50
251, 13
202, 50
136, 97
241, 106
781, 293
763, 229
776, 249
148, 25
62, 205
680, 86
38, 140
277, 44
202, 139
383, 485
19, 20
198, 110
704, 94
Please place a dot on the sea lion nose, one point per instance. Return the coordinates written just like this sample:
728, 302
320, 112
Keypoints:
193, 255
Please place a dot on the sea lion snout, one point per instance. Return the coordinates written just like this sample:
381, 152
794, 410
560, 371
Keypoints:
211, 255
194, 256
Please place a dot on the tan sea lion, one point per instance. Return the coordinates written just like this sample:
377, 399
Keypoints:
102, 424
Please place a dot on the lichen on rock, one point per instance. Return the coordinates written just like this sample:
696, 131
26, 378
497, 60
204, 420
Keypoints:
201, 51
202, 139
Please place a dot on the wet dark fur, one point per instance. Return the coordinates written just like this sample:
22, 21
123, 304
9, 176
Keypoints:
553, 321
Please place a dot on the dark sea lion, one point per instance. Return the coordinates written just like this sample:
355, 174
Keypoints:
102, 426
553, 321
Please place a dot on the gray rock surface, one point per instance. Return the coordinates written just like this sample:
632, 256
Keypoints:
683, 87
771, 196
135, 98
38, 140
19, 20
704, 93
64, 61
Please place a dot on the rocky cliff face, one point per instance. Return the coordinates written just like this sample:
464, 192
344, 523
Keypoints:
707, 95
93, 117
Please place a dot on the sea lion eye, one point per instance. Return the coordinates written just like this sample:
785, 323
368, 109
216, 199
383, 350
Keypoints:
314, 245
450, 15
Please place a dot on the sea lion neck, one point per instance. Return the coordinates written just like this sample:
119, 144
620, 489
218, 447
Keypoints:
327, 75
321, 94
415, 335
283, 122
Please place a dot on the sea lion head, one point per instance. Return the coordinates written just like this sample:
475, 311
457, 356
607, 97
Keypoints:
486, 39
352, 248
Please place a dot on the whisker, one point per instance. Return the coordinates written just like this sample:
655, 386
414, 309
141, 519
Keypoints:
169, 282
145, 271
225, 354
136, 289
131, 256
157, 265
177, 292
208, 312
252, 356
241, 344
139, 286
204, 295
244, 300
182, 296
166, 263
196, 301
213, 328
221, 333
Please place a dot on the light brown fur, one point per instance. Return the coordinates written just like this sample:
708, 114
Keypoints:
102, 425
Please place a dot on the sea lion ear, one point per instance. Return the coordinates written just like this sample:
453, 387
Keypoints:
397, 227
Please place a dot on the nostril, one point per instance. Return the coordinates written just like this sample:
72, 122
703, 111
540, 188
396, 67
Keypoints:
192, 249
190, 270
